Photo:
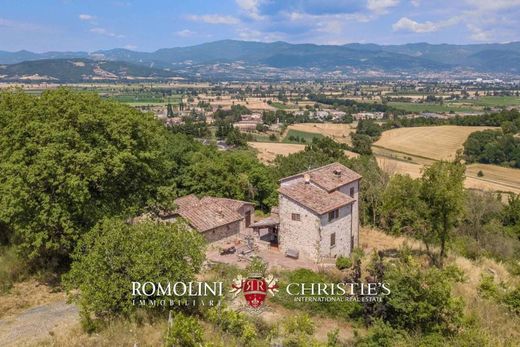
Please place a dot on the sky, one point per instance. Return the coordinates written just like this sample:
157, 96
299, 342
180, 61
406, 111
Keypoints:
90, 25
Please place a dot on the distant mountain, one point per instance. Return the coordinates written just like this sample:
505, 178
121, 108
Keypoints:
77, 70
245, 59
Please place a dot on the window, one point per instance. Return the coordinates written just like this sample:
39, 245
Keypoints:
295, 216
332, 240
352, 192
333, 215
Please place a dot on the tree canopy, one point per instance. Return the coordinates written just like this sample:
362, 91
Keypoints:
69, 159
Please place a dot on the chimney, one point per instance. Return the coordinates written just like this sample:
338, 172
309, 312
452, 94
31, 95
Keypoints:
337, 172
307, 178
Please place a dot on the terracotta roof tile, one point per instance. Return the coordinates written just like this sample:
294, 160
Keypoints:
204, 217
329, 177
314, 198
209, 212
229, 203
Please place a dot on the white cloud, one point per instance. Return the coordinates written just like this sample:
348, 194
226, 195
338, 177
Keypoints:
105, 32
255, 35
250, 8
214, 19
86, 17
130, 46
185, 33
381, 6
416, 3
407, 24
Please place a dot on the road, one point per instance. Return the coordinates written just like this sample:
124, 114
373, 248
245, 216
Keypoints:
35, 323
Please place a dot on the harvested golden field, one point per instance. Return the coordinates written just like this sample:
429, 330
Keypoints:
339, 132
267, 151
496, 178
439, 142
393, 166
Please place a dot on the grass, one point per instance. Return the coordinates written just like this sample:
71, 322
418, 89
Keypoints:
494, 101
12, 268
440, 142
279, 105
302, 135
429, 107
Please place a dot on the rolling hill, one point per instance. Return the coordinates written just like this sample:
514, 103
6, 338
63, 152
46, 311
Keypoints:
75, 70
244, 59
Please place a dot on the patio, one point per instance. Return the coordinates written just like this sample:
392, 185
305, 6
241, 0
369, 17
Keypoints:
272, 256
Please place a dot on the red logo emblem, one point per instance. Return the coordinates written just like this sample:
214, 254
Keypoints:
255, 288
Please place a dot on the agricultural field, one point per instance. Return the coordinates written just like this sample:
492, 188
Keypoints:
434, 107
267, 151
491, 101
501, 178
496, 178
339, 132
303, 135
438, 143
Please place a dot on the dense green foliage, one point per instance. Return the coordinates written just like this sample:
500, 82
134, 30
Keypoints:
350, 105
184, 331
70, 159
493, 147
367, 132
343, 263
114, 254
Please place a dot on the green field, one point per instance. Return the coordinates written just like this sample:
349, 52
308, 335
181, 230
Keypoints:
494, 101
301, 134
279, 105
429, 107
460, 105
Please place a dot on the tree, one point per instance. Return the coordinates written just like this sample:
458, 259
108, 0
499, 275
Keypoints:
361, 143
442, 189
479, 209
403, 210
69, 159
114, 254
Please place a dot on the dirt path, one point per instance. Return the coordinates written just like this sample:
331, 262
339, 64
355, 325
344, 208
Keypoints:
36, 323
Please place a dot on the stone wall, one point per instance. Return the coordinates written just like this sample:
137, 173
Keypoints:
355, 208
342, 227
301, 235
243, 210
223, 233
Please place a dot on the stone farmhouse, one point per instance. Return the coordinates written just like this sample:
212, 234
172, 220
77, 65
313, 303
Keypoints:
317, 216
217, 219
319, 212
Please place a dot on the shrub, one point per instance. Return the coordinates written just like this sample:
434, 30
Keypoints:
343, 263
256, 266
480, 173
114, 254
487, 287
184, 331
298, 331
512, 300
421, 300
383, 335
233, 322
